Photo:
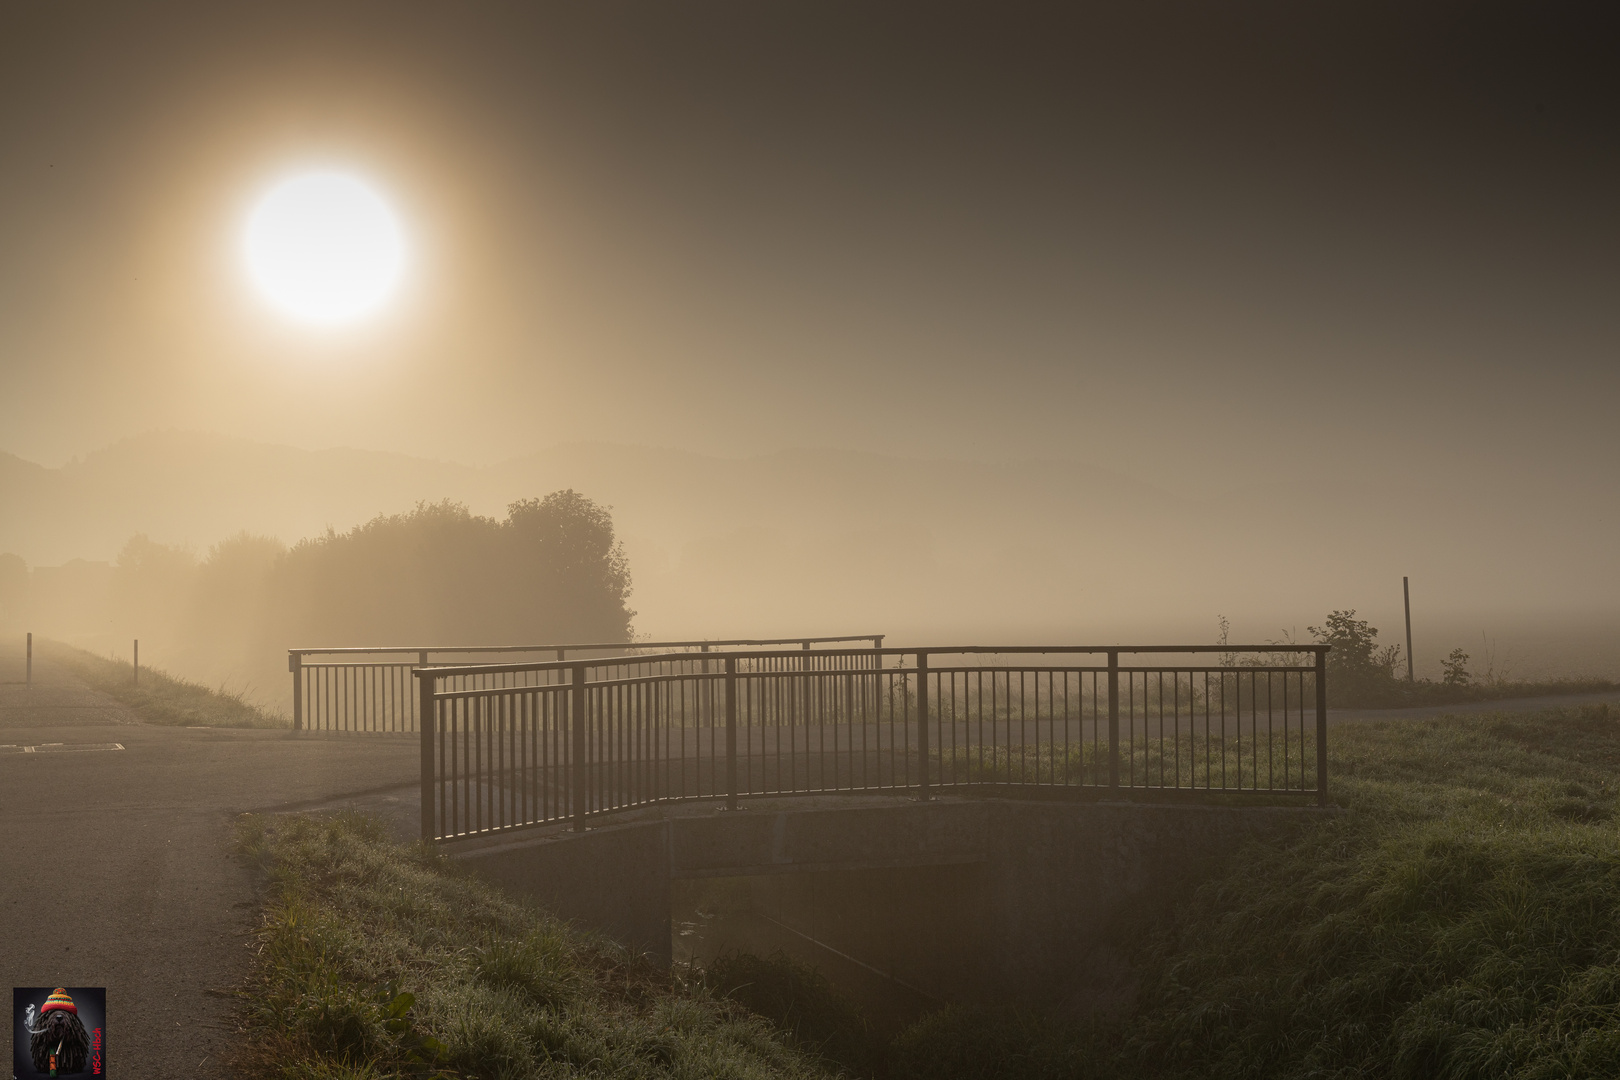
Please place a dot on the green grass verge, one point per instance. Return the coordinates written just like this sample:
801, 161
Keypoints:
1462, 920
161, 698
377, 960
1395, 693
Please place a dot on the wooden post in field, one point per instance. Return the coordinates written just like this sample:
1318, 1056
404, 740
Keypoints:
30, 668
1406, 592
137, 661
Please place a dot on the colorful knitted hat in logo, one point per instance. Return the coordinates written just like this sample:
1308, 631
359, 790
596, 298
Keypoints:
59, 1000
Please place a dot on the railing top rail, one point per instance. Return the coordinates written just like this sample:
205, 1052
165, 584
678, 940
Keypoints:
446, 670
577, 646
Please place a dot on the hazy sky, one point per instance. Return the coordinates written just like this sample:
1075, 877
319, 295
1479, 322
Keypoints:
1201, 244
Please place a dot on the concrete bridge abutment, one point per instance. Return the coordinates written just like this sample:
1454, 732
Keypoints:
966, 898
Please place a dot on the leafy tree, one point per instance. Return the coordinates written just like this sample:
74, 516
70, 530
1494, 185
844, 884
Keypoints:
552, 571
567, 544
1358, 669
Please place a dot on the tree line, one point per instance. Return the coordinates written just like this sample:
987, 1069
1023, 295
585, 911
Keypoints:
551, 570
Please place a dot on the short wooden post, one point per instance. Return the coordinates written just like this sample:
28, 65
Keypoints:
577, 708
922, 725
1113, 718
295, 664
137, 661
427, 725
1406, 594
731, 733
30, 668
1321, 726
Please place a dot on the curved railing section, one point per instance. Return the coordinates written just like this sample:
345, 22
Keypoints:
566, 741
370, 689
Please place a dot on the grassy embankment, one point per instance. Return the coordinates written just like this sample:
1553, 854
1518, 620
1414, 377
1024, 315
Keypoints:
377, 961
161, 698
1462, 920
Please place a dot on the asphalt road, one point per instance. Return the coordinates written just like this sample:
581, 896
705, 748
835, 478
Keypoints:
116, 868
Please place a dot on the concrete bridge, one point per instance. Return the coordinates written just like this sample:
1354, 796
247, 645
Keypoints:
972, 822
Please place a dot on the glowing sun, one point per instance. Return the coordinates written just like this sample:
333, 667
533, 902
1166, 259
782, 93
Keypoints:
324, 248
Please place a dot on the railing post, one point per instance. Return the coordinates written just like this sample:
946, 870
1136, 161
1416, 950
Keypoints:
422, 662
428, 726
1113, 718
731, 733
577, 708
295, 664
1321, 727
922, 724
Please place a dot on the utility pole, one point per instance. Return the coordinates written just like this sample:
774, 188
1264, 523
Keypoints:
1406, 592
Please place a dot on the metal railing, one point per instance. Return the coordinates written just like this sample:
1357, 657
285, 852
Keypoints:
369, 689
594, 737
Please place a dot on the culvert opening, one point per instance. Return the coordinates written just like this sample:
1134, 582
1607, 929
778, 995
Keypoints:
898, 941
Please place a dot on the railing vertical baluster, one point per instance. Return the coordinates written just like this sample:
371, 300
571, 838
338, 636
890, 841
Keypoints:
922, 725
577, 708
1321, 727
1113, 718
425, 692
731, 733
295, 664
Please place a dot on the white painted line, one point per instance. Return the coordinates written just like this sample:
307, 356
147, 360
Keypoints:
59, 748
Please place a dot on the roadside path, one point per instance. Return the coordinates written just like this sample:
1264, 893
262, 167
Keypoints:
116, 868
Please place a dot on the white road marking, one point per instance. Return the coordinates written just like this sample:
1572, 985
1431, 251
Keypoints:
58, 748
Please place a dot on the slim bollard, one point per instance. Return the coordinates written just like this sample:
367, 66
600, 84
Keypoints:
428, 728
922, 725
1113, 719
137, 661
1321, 727
731, 733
